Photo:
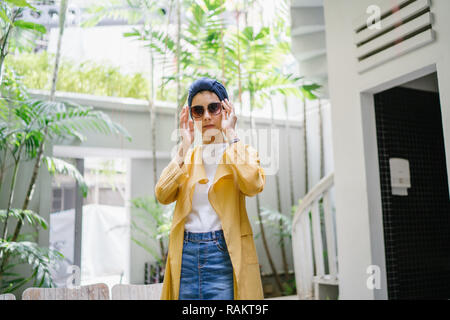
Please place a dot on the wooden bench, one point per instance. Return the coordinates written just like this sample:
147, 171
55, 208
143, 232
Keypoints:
98, 291
137, 292
7, 296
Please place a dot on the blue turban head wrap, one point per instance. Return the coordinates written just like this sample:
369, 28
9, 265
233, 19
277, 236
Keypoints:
209, 85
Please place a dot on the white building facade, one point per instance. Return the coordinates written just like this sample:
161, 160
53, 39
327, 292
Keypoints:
389, 80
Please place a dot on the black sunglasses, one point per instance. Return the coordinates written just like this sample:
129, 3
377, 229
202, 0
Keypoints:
214, 108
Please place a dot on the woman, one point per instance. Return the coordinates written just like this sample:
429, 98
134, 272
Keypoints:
211, 253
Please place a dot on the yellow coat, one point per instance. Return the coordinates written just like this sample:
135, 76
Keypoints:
238, 174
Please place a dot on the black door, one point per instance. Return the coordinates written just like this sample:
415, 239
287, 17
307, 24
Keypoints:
416, 226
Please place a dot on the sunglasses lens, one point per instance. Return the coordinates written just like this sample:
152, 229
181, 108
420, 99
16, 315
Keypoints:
214, 108
197, 111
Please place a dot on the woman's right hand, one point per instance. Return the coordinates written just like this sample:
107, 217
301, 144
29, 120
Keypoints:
186, 127
187, 133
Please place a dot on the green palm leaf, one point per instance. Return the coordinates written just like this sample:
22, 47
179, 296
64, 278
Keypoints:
69, 119
25, 216
20, 3
55, 165
41, 260
30, 26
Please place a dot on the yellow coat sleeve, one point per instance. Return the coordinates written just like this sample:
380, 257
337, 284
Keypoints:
245, 160
166, 190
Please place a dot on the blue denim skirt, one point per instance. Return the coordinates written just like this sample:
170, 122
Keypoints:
206, 269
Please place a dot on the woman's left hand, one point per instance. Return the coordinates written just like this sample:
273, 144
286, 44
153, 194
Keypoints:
229, 117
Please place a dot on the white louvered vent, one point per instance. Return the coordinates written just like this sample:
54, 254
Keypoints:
402, 28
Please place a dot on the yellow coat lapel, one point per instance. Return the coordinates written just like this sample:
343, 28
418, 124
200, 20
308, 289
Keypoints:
198, 174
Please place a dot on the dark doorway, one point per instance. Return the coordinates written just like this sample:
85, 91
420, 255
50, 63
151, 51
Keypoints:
416, 225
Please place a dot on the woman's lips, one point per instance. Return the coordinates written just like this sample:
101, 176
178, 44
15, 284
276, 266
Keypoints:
209, 126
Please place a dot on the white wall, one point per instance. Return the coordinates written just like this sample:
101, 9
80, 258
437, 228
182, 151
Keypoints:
358, 201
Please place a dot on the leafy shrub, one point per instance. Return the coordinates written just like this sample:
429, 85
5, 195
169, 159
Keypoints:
86, 77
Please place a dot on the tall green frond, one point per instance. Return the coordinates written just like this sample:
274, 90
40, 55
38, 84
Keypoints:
55, 165
28, 216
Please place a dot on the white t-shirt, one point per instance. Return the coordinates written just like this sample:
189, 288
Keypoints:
202, 217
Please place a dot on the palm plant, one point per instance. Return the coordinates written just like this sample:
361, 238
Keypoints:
14, 32
25, 125
150, 221
282, 226
23, 122
42, 260
62, 20
308, 94
197, 46
278, 194
202, 40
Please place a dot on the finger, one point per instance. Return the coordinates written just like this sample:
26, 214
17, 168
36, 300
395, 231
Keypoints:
225, 111
224, 114
230, 105
227, 108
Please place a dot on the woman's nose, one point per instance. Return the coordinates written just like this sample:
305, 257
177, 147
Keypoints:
206, 115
